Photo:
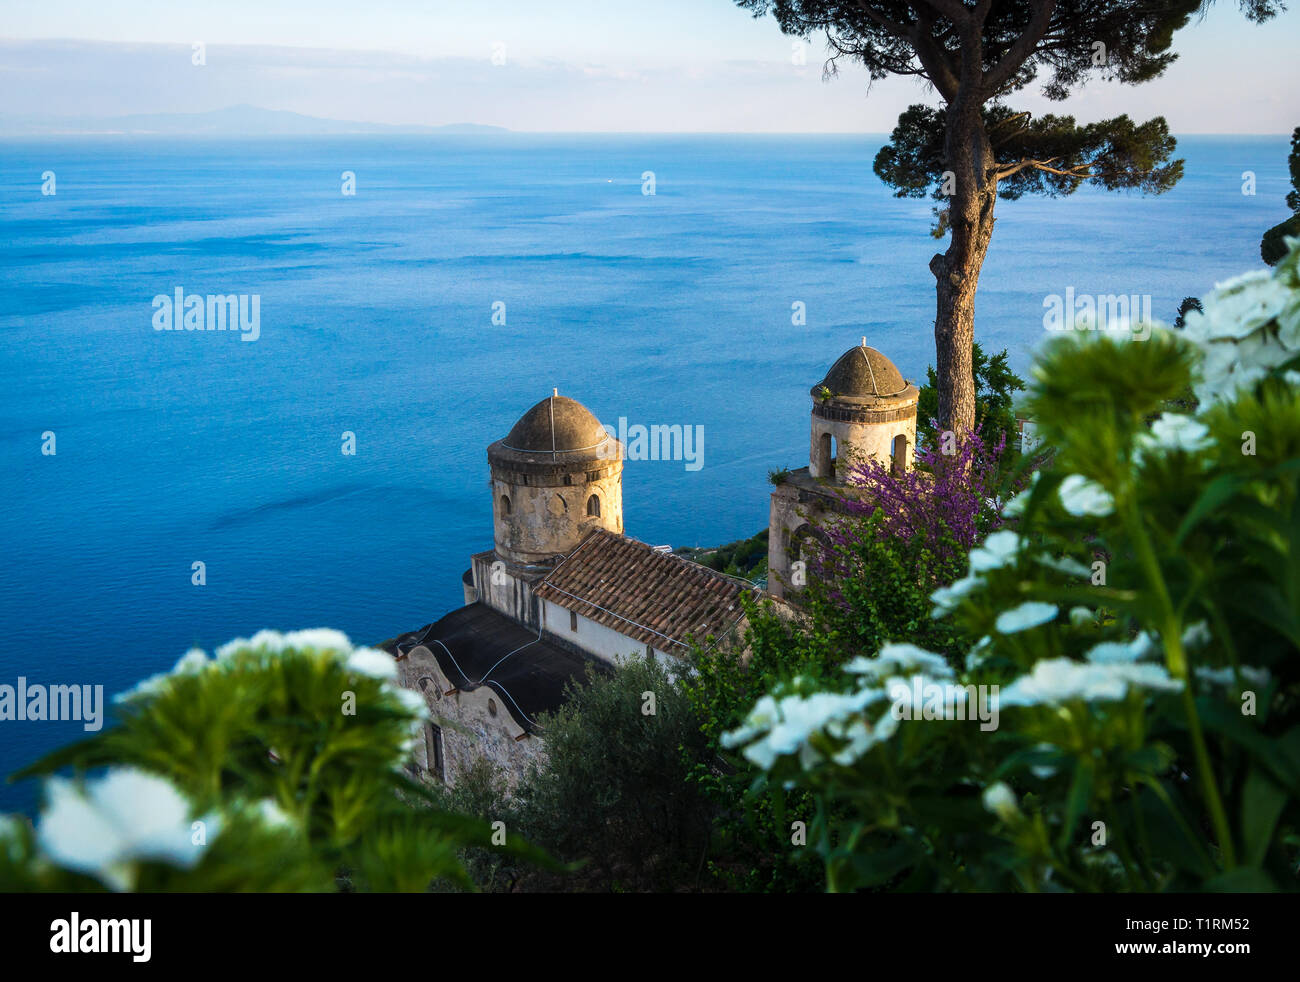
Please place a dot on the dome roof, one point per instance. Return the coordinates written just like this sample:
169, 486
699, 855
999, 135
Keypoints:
862, 371
557, 424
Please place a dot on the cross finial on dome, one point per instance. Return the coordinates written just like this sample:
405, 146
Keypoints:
555, 391
864, 340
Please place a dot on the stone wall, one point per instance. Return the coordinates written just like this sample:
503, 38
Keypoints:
546, 517
465, 725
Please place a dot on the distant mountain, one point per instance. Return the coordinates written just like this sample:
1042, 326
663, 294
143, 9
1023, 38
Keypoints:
243, 120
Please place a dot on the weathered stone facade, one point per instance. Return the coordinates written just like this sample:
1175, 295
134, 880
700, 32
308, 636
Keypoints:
555, 477
465, 726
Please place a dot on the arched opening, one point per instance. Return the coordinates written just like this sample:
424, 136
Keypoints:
898, 451
568, 479
825, 456
593, 506
505, 504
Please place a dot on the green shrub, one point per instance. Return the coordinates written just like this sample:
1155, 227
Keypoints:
1141, 626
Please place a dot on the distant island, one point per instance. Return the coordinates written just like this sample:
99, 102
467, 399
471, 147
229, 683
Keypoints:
241, 120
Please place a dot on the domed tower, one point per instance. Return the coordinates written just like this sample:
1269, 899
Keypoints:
556, 476
862, 408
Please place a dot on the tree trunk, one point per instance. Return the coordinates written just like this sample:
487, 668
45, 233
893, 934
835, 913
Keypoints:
957, 271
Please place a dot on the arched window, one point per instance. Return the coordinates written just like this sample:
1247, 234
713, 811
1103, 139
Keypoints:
593, 506
505, 504
898, 450
568, 478
825, 457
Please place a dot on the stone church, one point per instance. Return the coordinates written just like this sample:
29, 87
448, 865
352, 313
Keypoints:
563, 592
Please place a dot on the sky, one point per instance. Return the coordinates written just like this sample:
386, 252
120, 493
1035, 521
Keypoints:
558, 66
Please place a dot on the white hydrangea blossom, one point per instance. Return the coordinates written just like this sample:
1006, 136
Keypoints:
126, 817
899, 657
1058, 680
1027, 615
1122, 652
1176, 432
1082, 497
1248, 326
785, 726
946, 598
999, 549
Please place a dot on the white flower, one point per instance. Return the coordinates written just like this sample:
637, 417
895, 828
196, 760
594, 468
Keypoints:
1001, 801
322, 639
861, 736
125, 817
192, 662
784, 727
1081, 496
1080, 616
1197, 635
1057, 680
270, 642
1029, 614
899, 657
375, 664
1242, 305
1121, 652
998, 550
1225, 677
946, 598
1173, 431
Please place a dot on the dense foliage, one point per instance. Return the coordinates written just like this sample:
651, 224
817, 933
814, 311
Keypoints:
996, 386
1272, 246
277, 765
1144, 705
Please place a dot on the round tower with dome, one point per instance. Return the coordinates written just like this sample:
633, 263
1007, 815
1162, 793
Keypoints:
556, 476
863, 409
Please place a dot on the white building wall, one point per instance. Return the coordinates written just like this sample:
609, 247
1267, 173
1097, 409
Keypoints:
599, 640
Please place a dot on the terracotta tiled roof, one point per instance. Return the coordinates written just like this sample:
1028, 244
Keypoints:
653, 597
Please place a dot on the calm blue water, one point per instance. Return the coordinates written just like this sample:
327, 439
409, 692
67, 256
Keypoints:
376, 318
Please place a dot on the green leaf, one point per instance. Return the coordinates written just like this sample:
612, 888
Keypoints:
1218, 491
1262, 802
1080, 795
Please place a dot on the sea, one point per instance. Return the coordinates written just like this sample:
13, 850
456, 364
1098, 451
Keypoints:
701, 281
